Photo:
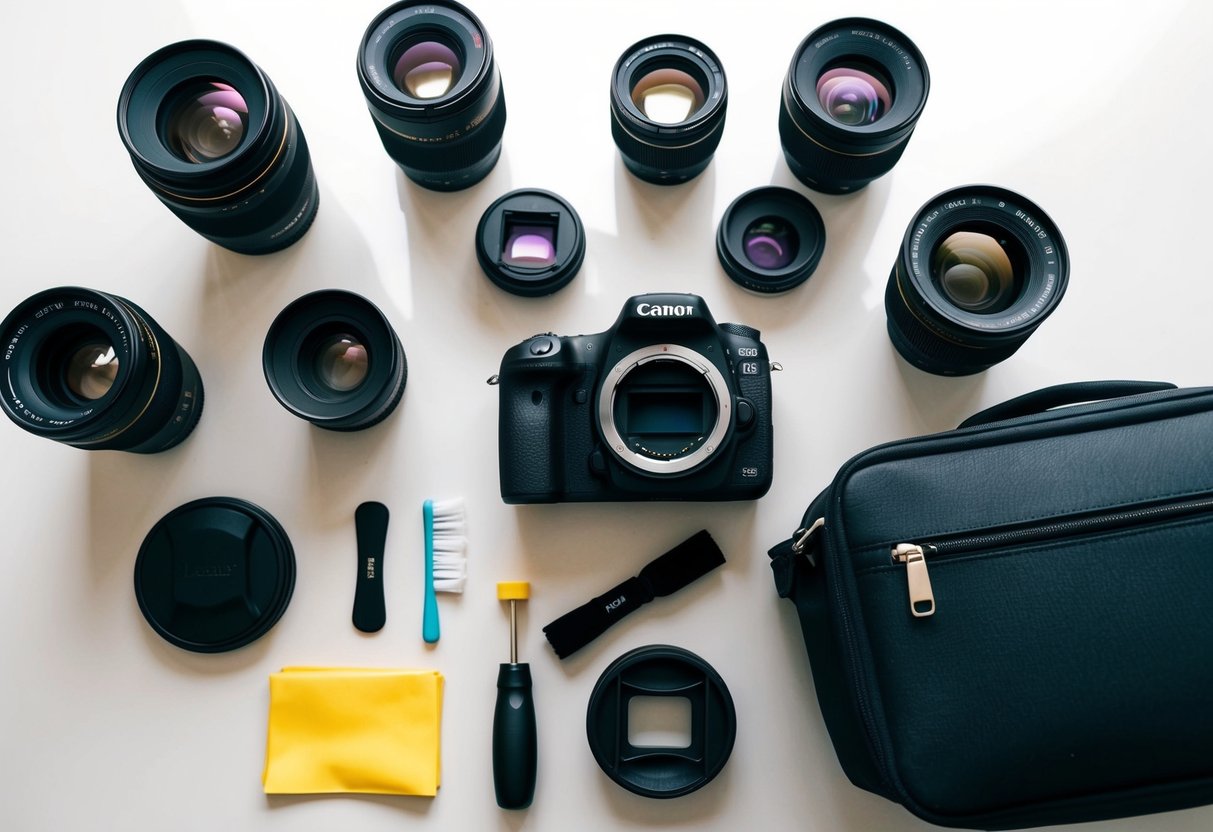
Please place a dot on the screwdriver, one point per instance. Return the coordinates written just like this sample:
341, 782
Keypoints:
515, 751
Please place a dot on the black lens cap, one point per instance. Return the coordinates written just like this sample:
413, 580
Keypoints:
660, 670
770, 239
530, 242
214, 575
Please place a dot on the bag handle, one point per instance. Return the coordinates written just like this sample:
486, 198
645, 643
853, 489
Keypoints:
1060, 395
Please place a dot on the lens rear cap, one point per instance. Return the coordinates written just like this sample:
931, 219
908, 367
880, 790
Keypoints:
530, 242
214, 575
770, 240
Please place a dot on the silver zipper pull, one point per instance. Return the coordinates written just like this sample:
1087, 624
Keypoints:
922, 599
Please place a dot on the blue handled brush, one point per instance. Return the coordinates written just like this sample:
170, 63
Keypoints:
446, 565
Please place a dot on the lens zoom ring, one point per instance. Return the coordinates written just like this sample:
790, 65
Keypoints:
817, 166
443, 157
658, 157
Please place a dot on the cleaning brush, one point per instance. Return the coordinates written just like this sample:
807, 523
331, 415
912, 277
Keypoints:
446, 565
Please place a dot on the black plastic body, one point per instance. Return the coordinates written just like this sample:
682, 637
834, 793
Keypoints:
515, 743
800, 215
288, 353
446, 143
660, 670
542, 208
370, 609
156, 398
935, 335
668, 154
836, 158
260, 198
214, 575
550, 440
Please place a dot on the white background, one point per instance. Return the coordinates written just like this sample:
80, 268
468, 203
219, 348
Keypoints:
1099, 112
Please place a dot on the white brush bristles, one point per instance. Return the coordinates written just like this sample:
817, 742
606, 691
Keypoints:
450, 546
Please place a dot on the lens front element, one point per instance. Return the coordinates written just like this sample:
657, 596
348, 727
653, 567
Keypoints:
975, 272
852, 94
668, 96
342, 362
427, 69
207, 122
91, 370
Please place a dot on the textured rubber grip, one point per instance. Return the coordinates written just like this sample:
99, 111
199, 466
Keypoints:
515, 746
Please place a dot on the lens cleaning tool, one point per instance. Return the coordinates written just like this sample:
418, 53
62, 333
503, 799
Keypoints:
446, 565
515, 749
370, 611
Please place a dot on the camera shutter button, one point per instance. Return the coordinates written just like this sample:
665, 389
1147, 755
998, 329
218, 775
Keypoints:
741, 330
542, 346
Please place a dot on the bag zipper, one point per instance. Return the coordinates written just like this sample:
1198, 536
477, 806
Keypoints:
914, 555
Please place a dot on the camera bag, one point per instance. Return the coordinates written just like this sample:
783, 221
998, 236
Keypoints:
1010, 624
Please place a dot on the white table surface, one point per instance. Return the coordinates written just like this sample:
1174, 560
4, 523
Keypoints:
1100, 112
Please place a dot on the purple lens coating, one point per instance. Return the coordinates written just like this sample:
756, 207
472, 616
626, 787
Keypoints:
427, 70
530, 246
853, 95
208, 123
770, 243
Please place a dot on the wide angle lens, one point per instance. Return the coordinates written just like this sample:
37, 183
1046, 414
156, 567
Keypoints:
851, 99
209, 134
434, 92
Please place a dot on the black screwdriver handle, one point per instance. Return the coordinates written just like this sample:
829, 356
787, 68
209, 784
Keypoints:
515, 750
370, 611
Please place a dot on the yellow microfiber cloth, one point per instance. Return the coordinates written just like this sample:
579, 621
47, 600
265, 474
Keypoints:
335, 729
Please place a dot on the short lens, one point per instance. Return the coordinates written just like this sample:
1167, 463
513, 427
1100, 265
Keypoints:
208, 132
97, 372
668, 103
851, 100
342, 362
208, 123
770, 239
770, 243
431, 82
975, 272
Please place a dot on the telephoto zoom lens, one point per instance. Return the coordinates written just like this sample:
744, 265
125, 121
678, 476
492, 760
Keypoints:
668, 101
332, 358
210, 135
97, 372
851, 99
432, 85
979, 270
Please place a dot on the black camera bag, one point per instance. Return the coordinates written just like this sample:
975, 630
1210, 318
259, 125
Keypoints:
1056, 663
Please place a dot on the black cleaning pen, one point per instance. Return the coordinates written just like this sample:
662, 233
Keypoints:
515, 749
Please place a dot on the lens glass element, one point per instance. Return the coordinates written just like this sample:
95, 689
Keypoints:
770, 243
529, 245
91, 370
854, 94
668, 96
427, 70
342, 362
207, 122
975, 272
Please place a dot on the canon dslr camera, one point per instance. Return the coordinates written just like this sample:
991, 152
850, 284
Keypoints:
665, 405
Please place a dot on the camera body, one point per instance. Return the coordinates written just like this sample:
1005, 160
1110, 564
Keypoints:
665, 405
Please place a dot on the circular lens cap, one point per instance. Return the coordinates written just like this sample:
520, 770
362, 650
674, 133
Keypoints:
530, 242
660, 670
770, 239
214, 575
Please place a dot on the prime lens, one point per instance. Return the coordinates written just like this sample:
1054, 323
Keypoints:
668, 102
980, 268
850, 102
95, 371
332, 358
434, 92
210, 135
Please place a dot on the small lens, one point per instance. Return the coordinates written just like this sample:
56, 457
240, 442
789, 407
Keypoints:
427, 70
770, 243
853, 95
91, 370
668, 96
975, 272
208, 122
342, 362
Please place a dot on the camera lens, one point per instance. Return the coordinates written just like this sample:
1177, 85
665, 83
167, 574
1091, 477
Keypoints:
530, 242
97, 372
664, 409
210, 135
851, 100
332, 358
668, 101
980, 268
434, 92
770, 240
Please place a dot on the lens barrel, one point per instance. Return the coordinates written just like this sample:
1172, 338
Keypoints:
980, 268
434, 92
668, 102
851, 99
332, 358
210, 135
95, 371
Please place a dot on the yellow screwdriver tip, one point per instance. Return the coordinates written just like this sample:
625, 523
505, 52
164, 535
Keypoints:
513, 590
